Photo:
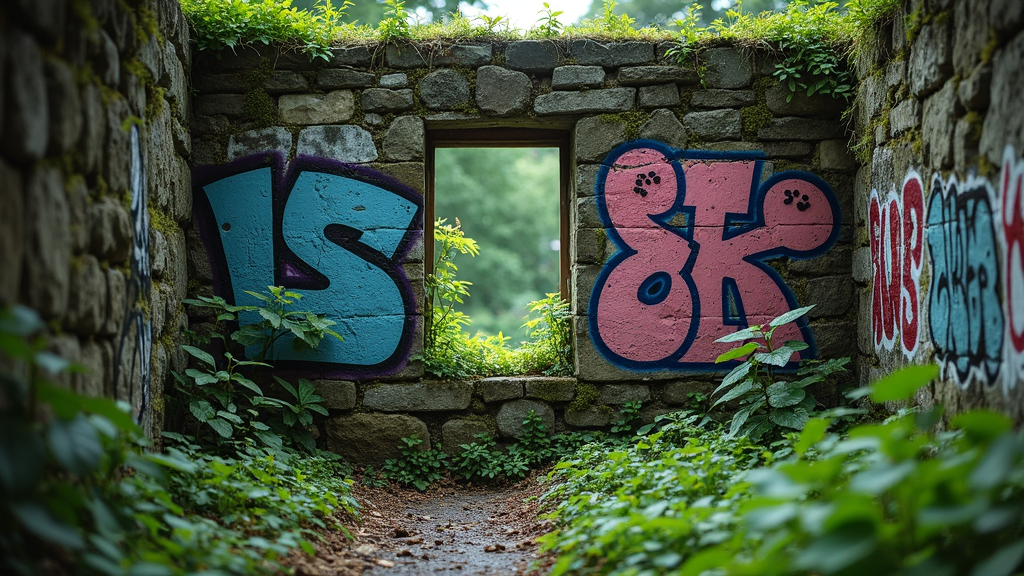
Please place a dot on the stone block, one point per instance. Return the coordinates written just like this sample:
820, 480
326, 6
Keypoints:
92, 381
111, 230
595, 137
720, 98
965, 146
65, 108
647, 75
12, 232
45, 283
727, 68
970, 34
511, 415
418, 397
384, 100
794, 128
501, 92
373, 119
617, 394
612, 54
659, 96
461, 431
332, 108
105, 59
117, 302
862, 267
871, 95
398, 80
551, 388
117, 151
1004, 122
345, 143
591, 366
835, 340
831, 296
939, 120
835, 155
714, 124
782, 102
404, 140
930, 59
444, 89
786, 149
461, 55
284, 82
26, 117
273, 139
87, 303
663, 126
589, 417
904, 116
587, 214
355, 56
532, 56
500, 388
574, 77
586, 176
973, 91
337, 394
372, 438
228, 105
836, 261
589, 245
341, 78
683, 392
409, 173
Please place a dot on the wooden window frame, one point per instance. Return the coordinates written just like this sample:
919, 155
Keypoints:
501, 138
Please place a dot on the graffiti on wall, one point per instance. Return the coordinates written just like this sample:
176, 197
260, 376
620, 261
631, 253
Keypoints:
896, 234
338, 233
132, 360
694, 231
1011, 184
965, 314
975, 295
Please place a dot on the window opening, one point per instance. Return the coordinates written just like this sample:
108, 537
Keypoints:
508, 190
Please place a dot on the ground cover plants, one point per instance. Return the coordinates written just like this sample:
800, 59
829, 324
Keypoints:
902, 496
82, 492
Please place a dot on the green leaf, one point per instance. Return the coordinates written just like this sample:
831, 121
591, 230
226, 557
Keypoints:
274, 319
741, 389
41, 522
75, 444
881, 476
737, 374
201, 355
1004, 562
745, 334
243, 381
982, 425
737, 352
790, 316
997, 464
837, 549
287, 386
783, 394
742, 415
813, 432
794, 419
221, 427
22, 456
51, 362
796, 345
202, 410
778, 357
902, 384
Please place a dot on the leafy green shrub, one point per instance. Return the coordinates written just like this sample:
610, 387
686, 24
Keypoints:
78, 493
234, 406
451, 352
416, 467
219, 24
767, 406
478, 460
628, 414
548, 25
395, 25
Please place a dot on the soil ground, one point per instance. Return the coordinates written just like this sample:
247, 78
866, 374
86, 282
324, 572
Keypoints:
450, 529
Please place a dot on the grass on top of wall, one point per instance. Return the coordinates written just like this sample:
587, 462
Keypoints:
231, 24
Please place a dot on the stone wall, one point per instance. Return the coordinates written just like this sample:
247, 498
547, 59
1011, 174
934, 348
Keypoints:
702, 199
939, 200
94, 184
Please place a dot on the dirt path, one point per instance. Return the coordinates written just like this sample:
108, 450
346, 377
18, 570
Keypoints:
450, 529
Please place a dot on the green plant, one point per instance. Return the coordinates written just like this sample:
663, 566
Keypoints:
815, 68
395, 25
478, 460
296, 417
550, 335
548, 25
219, 24
416, 467
767, 406
628, 414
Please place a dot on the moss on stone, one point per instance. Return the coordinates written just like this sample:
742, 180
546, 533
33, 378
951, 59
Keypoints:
586, 395
754, 119
548, 391
989, 50
259, 108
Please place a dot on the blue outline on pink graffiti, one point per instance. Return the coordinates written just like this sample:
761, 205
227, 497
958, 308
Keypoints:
734, 225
